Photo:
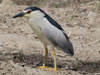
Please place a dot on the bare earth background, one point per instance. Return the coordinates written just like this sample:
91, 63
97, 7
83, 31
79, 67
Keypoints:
21, 51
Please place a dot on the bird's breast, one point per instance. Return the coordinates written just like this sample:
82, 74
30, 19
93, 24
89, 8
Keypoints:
36, 27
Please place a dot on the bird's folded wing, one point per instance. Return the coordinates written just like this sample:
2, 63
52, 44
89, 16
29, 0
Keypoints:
57, 37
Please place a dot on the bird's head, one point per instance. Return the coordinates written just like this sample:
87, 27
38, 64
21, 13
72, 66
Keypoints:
30, 12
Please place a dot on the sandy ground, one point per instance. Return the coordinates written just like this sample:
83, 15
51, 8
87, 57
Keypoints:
21, 51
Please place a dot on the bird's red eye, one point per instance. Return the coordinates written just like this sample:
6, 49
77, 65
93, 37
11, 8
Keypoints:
29, 11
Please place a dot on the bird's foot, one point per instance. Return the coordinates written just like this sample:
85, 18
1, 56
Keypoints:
42, 67
52, 69
48, 69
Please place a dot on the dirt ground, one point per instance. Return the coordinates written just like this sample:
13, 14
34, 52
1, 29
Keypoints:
21, 51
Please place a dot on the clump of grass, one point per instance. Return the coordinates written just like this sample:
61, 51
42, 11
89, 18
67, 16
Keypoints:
29, 2
98, 5
59, 3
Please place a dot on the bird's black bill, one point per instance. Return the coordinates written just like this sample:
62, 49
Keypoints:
19, 15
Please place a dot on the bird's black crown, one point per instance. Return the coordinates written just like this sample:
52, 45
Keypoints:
33, 8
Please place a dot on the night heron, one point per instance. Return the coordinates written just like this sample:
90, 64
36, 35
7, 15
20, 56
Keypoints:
48, 31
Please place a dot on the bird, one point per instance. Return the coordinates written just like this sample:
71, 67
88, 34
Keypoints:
48, 31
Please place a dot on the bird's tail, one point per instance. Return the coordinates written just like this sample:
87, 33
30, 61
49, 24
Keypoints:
68, 48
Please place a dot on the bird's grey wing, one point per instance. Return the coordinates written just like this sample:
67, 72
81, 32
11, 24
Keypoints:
53, 22
57, 37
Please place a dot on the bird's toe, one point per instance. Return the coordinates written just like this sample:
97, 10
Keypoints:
42, 67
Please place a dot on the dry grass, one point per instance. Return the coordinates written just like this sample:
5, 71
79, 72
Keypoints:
51, 3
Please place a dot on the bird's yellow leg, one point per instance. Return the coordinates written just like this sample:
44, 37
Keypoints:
55, 65
45, 59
